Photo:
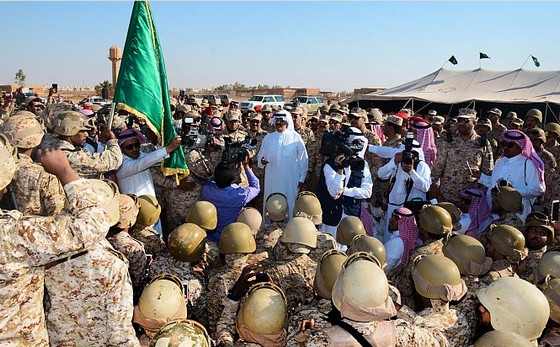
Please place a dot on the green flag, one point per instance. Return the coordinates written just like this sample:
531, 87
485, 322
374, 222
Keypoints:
483, 55
452, 60
536, 61
142, 84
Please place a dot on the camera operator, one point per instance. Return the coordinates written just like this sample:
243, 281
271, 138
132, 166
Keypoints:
345, 183
228, 197
409, 178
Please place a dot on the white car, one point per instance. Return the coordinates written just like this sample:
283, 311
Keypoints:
261, 100
95, 100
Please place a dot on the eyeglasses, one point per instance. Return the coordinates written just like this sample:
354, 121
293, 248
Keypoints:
508, 144
132, 145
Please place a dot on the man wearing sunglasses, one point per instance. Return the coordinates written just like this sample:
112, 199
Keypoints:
456, 156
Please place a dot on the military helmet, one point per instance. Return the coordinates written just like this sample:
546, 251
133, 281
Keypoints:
69, 123
48, 114
276, 207
108, 197
300, 231
252, 217
534, 112
368, 244
433, 275
551, 289
549, 265
508, 198
515, 305
128, 208
179, 333
24, 129
161, 301
307, 205
540, 220
263, 310
454, 211
187, 242
506, 239
537, 133
498, 338
7, 158
203, 214
552, 128
353, 292
150, 210
468, 254
266, 108
349, 227
435, 220
326, 272
237, 238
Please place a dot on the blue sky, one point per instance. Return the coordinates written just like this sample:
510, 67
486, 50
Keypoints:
334, 46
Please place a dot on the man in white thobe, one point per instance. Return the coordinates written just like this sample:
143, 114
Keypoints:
284, 157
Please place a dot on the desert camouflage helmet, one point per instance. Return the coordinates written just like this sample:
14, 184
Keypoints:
276, 207
307, 205
435, 220
51, 110
108, 197
161, 301
506, 240
468, 254
349, 227
263, 310
369, 244
150, 210
203, 214
549, 265
302, 232
454, 211
9, 164
237, 238
508, 198
128, 208
437, 277
187, 242
534, 112
537, 134
326, 272
552, 128
497, 338
515, 305
354, 294
24, 129
252, 217
69, 123
182, 333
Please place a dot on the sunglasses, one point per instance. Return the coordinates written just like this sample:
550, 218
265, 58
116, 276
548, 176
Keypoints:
463, 120
333, 122
132, 145
254, 121
352, 117
508, 144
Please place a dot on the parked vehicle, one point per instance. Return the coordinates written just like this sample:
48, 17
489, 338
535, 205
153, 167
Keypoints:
95, 100
213, 99
311, 103
255, 100
225, 99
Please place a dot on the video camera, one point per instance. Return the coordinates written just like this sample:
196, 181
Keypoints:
235, 152
336, 143
197, 136
409, 156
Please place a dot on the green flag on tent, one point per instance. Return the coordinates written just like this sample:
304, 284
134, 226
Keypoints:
483, 55
142, 84
453, 60
536, 61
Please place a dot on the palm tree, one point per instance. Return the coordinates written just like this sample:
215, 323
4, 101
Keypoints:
104, 85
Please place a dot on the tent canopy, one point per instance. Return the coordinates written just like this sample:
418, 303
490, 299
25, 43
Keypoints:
454, 87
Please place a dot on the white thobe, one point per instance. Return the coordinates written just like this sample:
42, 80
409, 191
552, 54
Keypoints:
394, 249
421, 182
287, 165
134, 175
523, 176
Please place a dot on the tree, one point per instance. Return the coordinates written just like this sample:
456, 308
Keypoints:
20, 78
105, 84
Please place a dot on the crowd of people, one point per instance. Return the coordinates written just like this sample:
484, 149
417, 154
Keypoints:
344, 227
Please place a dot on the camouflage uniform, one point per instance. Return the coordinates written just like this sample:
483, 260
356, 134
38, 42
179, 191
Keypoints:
37, 192
90, 300
257, 202
497, 129
555, 150
325, 242
310, 143
316, 162
317, 310
268, 236
451, 165
85, 163
466, 327
549, 170
134, 252
195, 283
405, 284
527, 266
500, 268
551, 335
510, 219
373, 160
151, 239
29, 243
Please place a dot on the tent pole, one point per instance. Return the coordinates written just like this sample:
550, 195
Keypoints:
412, 105
545, 114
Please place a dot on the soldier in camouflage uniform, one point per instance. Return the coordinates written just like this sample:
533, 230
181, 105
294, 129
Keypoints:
37, 192
255, 132
316, 163
538, 139
506, 246
70, 129
309, 141
31, 242
451, 167
483, 129
182, 333
538, 234
552, 131
497, 128
143, 231
267, 124
276, 209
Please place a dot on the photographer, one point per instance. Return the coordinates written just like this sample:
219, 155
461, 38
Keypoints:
345, 183
409, 178
228, 197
